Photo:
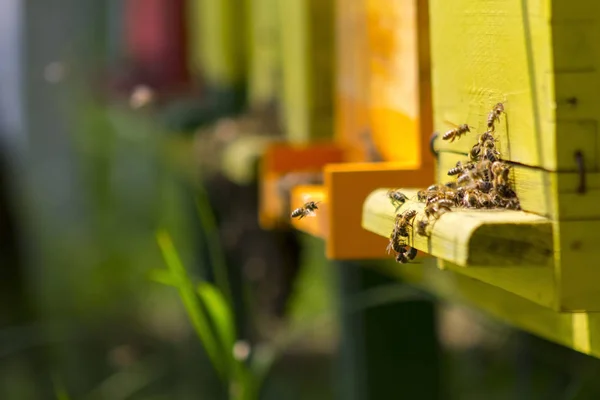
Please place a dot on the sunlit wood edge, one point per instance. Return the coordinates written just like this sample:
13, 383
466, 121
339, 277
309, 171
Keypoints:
476, 238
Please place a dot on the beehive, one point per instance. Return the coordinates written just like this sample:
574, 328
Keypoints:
538, 58
382, 96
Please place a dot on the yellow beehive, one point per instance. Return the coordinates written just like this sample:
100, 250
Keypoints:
216, 50
264, 66
307, 52
539, 59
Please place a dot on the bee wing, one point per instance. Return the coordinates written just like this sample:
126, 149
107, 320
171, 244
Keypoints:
309, 213
452, 124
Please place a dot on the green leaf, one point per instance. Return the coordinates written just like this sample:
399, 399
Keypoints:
192, 304
219, 312
162, 276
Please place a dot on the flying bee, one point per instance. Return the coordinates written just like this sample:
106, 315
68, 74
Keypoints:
307, 210
422, 228
456, 132
411, 253
460, 167
396, 197
494, 116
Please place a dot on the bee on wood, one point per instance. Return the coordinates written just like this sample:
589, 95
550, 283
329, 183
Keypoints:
460, 167
433, 188
403, 221
307, 210
411, 253
456, 133
494, 116
397, 244
422, 195
470, 200
483, 186
435, 210
396, 197
491, 154
485, 141
513, 204
402, 258
485, 200
422, 228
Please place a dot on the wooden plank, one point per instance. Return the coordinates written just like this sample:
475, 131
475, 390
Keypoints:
216, 45
307, 55
352, 82
264, 53
550, 194
482, 238
579, 331
578, 273
503, 55
399, 79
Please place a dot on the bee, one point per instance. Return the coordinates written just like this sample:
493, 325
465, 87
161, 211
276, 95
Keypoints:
456, 133
505, 191
500, 170
403, 221
396, 197
433, 188
411, 253
460, 167
444, 203
422, 227
485, 141
396, 244
483, 186
513, 204
422, 195
451, 185
491, 154
436, 210
402, 258
470, 200
307, 210
494, 116
485, 200
475, 152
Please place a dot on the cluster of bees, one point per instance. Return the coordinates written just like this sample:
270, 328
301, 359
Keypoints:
482, 182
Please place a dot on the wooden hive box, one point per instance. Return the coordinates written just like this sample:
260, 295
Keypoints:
382, 95
538, 58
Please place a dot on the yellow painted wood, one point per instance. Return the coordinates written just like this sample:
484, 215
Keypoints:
579, 331
494, 238
264, 52
306, 28
550, 194
540, 58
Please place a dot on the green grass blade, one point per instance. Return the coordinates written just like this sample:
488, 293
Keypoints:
192, 304
162, 276
215, 253
219, 313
